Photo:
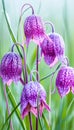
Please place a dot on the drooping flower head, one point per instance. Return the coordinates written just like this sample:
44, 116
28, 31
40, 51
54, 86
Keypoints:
11, 67
33, 95
33, 27
65, 80
47, 49
53, 50
59, 45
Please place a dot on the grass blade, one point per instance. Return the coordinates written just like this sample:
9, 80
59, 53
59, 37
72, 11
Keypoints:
9, 28
6, 17
14, 104
46, 123
10, 116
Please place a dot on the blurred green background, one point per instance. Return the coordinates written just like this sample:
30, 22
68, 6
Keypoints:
61, 14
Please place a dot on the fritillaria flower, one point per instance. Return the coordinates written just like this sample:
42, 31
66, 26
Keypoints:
65, 80
34, 29
53, 50
11, 67
59, 45
33, 96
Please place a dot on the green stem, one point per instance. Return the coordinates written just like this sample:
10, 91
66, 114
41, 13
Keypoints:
20, 22
51, 24
45, 77
30, 121
37, 80
24, 56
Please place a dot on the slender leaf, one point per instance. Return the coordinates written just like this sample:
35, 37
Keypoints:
6, 17
14, 104
10, 116
9, 28
46, 123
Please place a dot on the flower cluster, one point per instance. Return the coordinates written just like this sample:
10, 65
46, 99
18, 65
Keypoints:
52, 49
52, 46
33, 95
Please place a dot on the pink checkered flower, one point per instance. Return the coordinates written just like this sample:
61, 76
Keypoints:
11, 67
34, 29
65, 80
54, 49
33, 96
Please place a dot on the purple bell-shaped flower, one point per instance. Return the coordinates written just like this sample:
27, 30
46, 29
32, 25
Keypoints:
33, 98
33, 27
65, 80
54, 49
11, 67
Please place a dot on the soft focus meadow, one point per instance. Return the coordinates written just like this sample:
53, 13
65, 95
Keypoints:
61, 14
